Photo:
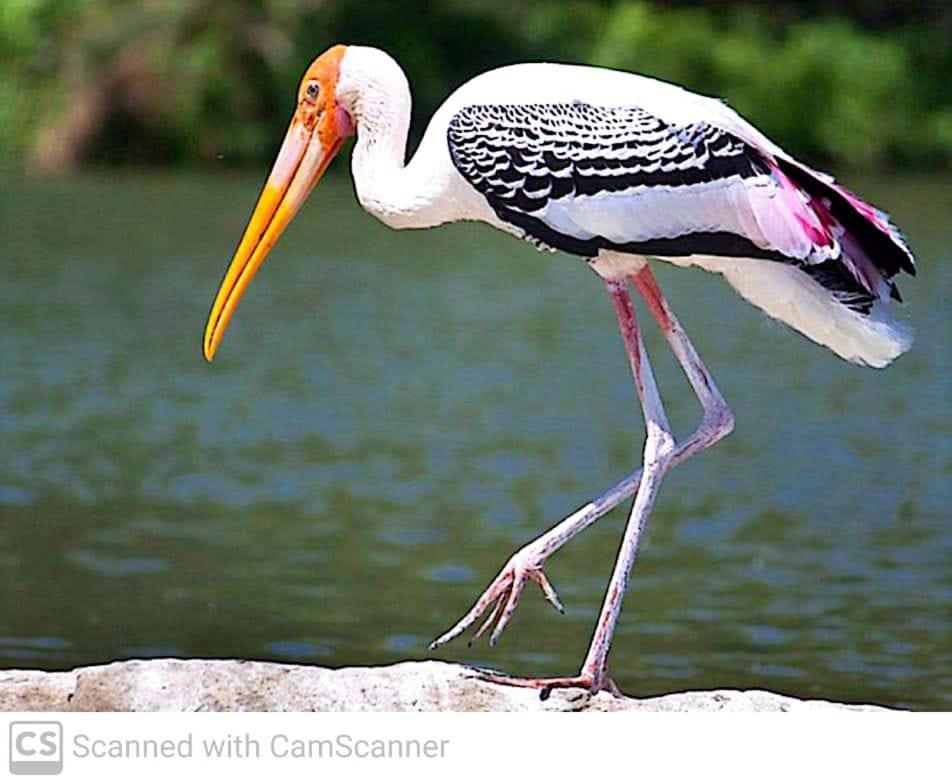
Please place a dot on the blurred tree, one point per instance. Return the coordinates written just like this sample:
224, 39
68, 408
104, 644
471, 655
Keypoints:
860, 82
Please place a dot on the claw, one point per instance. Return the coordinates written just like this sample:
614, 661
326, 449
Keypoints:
491, 619
492, 593
510, 608
549, 591
591, 684
501, 598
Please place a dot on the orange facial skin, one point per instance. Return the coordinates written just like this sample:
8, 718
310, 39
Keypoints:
324, 72
317, 132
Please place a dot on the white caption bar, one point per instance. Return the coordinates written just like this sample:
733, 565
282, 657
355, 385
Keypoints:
804, 747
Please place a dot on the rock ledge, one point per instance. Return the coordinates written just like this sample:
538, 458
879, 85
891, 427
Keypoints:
228, 685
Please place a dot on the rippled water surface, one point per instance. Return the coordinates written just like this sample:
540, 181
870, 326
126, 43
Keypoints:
392, 414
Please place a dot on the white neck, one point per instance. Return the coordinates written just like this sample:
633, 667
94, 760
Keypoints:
373, 88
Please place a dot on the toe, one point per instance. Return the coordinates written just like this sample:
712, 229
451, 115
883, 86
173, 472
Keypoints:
508, 609
549, 591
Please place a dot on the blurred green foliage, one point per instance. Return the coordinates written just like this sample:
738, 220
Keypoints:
862, 84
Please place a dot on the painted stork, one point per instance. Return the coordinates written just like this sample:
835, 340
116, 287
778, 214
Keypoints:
616, 169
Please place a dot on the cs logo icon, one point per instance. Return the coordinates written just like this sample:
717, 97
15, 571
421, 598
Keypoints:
36, 748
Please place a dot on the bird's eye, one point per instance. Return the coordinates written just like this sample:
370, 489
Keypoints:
312, 90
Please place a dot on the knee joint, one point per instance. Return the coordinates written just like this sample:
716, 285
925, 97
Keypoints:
719, 422
659, 448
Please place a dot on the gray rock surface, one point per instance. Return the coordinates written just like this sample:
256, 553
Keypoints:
226, 685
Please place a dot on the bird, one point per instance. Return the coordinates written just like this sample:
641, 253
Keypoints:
622, 172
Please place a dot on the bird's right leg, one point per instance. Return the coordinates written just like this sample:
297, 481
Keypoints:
717, 421
502, 595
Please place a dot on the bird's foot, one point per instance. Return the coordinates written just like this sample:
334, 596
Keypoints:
499, 600
587, 681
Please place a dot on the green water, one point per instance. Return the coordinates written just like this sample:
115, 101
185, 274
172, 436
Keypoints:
392, 414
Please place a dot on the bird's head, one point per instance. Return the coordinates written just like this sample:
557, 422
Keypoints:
317, 131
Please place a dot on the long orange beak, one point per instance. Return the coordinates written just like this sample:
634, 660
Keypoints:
300, 163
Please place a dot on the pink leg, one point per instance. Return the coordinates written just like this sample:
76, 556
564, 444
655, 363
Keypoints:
718, 421
503, 593
658, 455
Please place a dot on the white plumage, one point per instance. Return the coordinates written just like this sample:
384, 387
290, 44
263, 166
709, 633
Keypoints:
616, 169
789, 295
764, 208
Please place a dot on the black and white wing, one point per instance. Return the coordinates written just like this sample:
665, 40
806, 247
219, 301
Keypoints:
585, 179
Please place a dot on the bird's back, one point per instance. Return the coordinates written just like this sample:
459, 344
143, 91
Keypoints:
594, 161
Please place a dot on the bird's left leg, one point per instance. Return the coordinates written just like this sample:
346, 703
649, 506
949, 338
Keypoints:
659, 456
499, 599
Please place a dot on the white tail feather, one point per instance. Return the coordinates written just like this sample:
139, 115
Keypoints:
790, 295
